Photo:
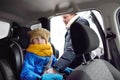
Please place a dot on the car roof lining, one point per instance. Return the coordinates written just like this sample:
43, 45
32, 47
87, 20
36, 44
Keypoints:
27, 12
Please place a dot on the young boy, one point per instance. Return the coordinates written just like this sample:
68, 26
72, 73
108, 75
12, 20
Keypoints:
38, 55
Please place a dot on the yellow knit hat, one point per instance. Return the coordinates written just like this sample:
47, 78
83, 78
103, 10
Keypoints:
44, 33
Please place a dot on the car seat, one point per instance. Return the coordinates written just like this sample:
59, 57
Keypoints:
21, 36
11, 59
84, 40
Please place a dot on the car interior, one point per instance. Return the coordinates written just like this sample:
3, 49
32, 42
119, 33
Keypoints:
22, 14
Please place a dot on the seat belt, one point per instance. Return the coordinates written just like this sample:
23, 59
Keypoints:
48, 65
113, 49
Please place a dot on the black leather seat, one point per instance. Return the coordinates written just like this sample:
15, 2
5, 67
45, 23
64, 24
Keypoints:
11, 54
11, 59
6, 72
85, 40
21, 36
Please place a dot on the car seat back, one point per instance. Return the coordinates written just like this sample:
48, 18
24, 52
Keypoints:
21, 36
12, 53
84, 40
6, 72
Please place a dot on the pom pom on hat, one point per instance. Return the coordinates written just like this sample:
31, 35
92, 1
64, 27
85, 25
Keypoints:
44, 33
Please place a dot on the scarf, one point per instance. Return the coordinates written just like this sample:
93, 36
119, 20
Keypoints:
40, 49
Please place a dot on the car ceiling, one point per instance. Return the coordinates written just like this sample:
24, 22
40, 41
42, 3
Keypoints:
27, 12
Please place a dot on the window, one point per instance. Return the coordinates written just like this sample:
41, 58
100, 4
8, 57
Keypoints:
58, 30
36, 26
4, 29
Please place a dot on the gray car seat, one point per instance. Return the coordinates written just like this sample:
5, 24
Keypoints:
84, 40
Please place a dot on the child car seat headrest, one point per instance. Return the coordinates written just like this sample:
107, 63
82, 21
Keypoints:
22, 34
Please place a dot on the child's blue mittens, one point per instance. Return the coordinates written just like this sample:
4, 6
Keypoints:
68, 70
52, 76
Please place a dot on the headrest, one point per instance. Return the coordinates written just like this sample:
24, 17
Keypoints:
24, 38
84, 39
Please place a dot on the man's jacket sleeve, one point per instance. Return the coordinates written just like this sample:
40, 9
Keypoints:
66, 59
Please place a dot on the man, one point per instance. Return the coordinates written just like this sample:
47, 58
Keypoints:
69, 58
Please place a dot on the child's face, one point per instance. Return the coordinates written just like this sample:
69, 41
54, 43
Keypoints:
38, 40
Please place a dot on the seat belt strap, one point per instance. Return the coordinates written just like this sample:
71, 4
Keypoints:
48, 65
113, 50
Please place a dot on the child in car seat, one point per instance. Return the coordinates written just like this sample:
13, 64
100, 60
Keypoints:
39, 57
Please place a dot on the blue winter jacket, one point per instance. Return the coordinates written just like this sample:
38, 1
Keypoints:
34, 65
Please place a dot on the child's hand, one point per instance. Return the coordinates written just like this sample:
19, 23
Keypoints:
51, 70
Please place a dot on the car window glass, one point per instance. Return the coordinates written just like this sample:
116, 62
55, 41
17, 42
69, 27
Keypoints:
58, 30
4, 29
36, 26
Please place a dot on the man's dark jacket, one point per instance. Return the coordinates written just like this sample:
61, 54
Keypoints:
69, 58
